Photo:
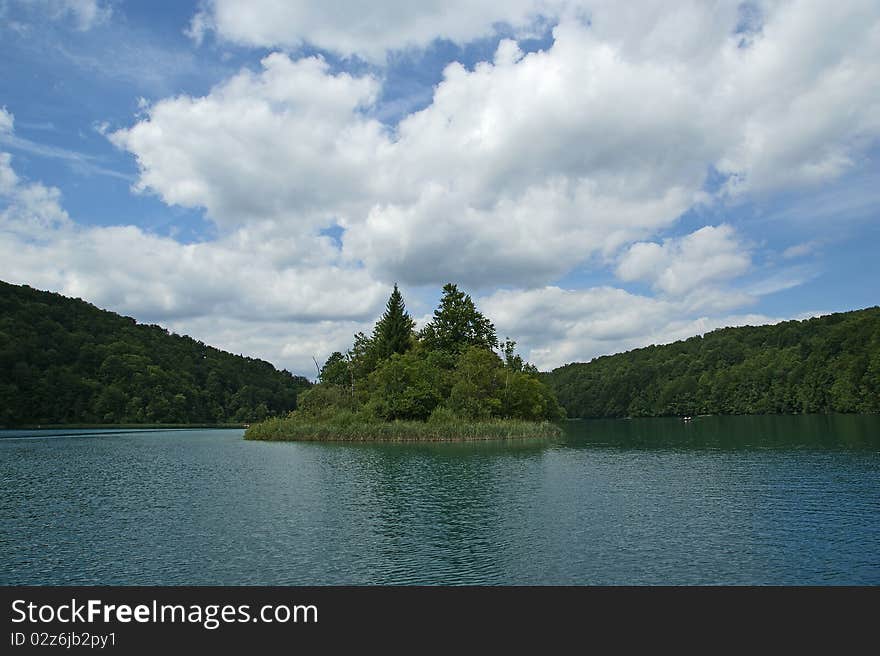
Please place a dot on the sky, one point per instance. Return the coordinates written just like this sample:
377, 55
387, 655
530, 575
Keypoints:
598, 175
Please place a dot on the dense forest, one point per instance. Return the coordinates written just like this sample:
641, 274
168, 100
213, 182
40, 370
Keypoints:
454, 369
65, 361
821, 365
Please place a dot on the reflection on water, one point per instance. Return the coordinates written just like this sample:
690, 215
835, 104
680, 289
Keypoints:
716, 500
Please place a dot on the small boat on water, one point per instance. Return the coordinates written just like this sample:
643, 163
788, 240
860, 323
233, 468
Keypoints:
686, 418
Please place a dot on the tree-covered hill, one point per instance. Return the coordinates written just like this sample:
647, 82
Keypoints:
821, 365
63, 360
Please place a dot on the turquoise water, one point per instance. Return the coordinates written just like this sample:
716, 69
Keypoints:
738, 500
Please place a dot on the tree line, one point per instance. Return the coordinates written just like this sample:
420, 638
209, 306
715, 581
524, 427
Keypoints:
821, 365
65, 361
455, 368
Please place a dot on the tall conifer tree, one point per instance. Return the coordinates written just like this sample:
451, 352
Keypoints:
393, 333
458, 324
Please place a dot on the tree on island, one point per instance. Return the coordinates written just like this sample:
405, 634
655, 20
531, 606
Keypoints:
448, 371
458, 324
394, 331
335, 370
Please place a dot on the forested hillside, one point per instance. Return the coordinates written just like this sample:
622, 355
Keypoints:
826, 364
63, 360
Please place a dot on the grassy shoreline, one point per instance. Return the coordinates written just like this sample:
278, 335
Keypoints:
118, 426
286, 429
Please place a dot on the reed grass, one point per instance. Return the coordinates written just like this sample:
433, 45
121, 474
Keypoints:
294, 429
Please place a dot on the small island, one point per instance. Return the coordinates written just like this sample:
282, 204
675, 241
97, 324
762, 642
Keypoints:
451, 381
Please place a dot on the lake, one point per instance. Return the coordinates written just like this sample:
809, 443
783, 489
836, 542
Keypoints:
719, 500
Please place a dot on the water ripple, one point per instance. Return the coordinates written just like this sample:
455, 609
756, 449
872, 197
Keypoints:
612, 503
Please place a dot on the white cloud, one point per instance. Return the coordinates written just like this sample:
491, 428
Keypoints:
30, 209
6, 120
803, 113
523, 168
286, 144
463, 176
777, 281
647, 28
85, 14
518, 171
350, 29
78, 161
212, 291
252, 291
799, 250
678, 266
288, 344
229, 298
555, 326
8, 178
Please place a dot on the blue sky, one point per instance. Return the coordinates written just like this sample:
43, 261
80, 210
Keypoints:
599, 177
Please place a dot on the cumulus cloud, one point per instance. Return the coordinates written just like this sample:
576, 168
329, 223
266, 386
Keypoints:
30, 209
250, 291
286, 144
527, 166
648, 27
519, 170
289, 344
231, 298
678, 266
803, 115
245, 294
555, 326
466, 175
347, 28
223, 296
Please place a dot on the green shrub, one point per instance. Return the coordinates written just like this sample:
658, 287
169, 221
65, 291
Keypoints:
324, 401
442, 415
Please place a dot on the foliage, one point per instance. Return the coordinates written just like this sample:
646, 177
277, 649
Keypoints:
64, 361
324, 401
514, 361
821, 365
457, 324
405, 387
476, 384
336, 371
526, 397
394, 331
363, 356
447, 375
